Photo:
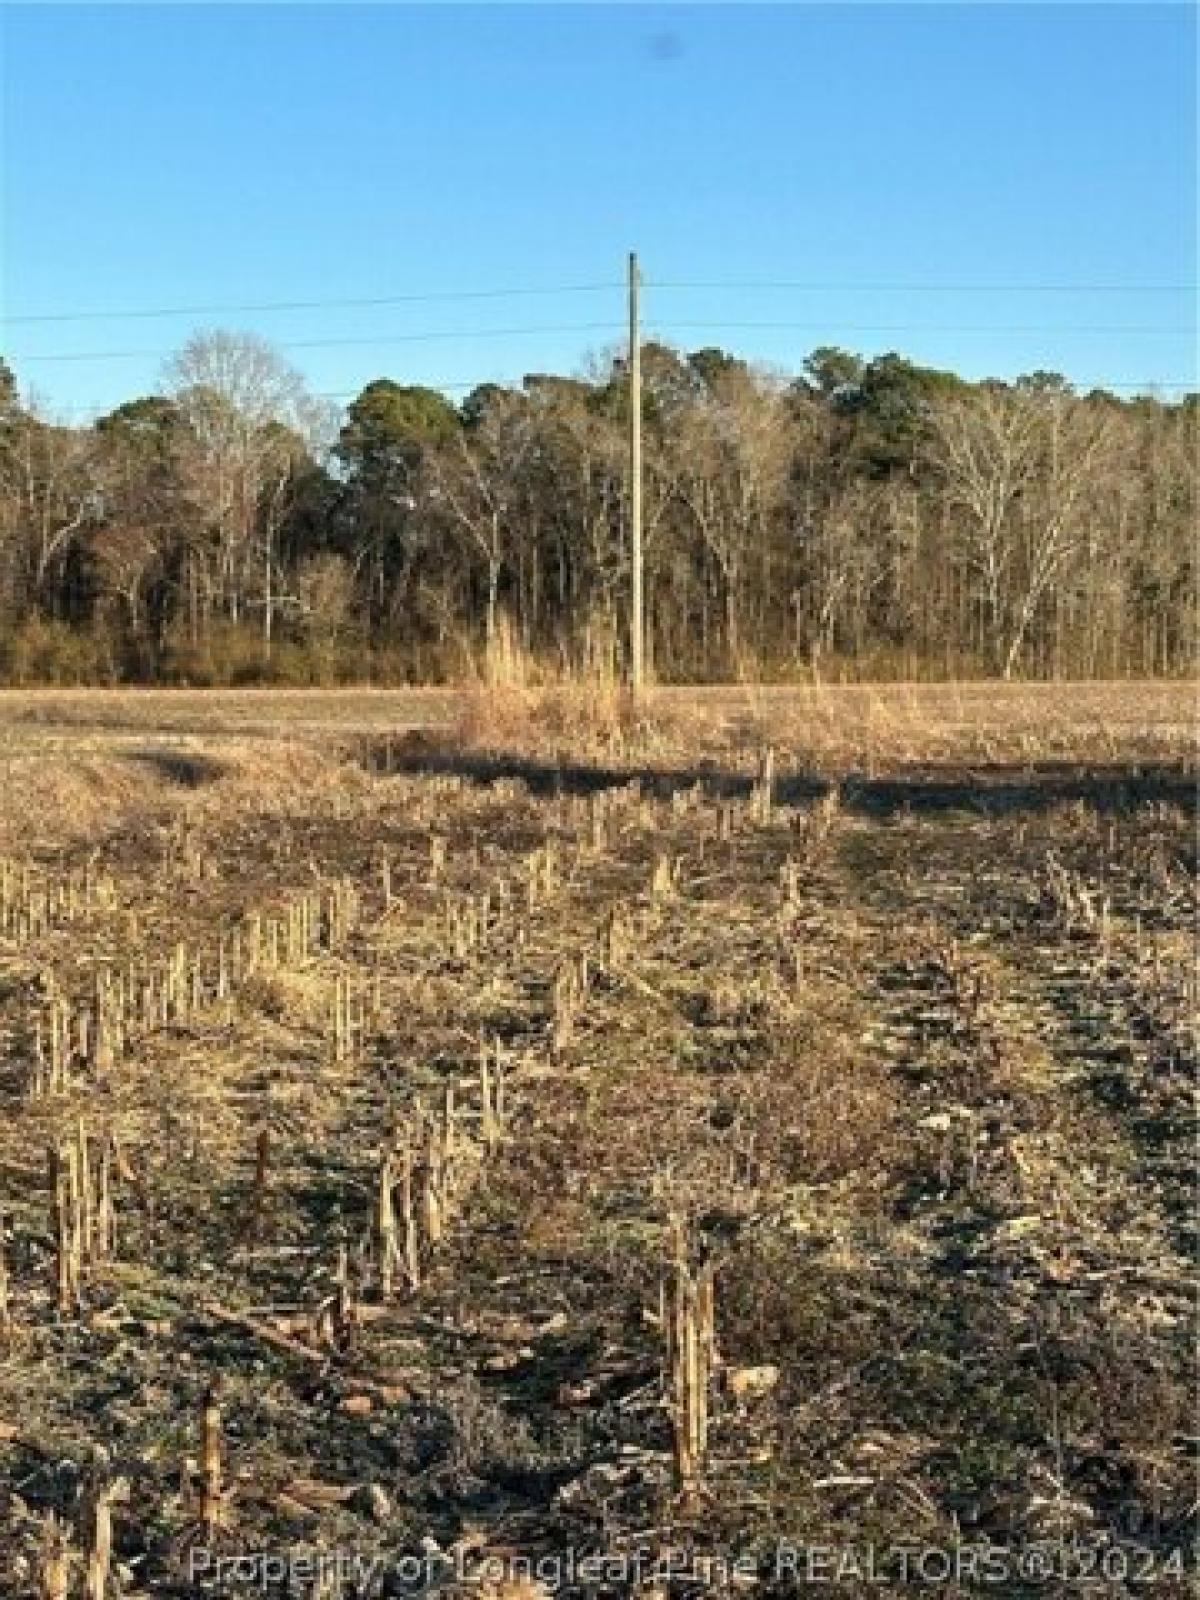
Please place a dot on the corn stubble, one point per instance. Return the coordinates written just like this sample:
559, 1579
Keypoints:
314, 1148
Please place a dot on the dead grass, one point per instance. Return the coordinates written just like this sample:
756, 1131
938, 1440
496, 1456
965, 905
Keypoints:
864, 730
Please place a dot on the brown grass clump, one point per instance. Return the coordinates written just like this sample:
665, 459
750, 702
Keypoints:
572, 722
81, 795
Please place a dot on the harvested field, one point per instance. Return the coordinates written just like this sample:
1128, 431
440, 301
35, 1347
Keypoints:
448, 1133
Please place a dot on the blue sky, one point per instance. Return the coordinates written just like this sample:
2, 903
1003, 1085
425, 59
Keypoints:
903, 173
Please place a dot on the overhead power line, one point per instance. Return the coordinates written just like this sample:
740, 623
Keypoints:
763, 285
331, 344
898, 287
823, 326
228, 308
936, 327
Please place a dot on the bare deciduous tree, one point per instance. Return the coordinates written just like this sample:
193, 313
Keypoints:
474, 482
250, 422
1015, 464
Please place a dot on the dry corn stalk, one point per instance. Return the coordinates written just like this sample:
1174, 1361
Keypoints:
31, 906
418, 1180
342, 909
52, 1051
789, 884
483, 917
84, 1215
598, 813
345, 1309
823, 817
1075, 906
213, 1499
262, 1166
689, 1334
6, 1319
64, 1186
617, 936
466, 920
432, 1183
103, 1493
103, 1240
345, 1306
571, 984
543, 874
491, 1093
410, 1247
762, 797
56, 1560
337, 1317
437, 858
97, 1031
388, 1239
397, 1230
341, 1020
665, 877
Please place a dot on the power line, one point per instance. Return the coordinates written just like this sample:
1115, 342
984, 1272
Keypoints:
331, 344
940, 327
309, 305
223, 308
820, 326
884, 287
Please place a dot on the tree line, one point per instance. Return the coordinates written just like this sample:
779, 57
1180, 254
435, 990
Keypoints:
867, 518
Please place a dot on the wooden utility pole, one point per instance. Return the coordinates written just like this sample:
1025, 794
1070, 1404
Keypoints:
637, 651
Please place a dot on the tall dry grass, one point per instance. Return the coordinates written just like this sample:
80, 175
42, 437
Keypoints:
521, 701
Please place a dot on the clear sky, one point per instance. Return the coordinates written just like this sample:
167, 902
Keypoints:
906, 177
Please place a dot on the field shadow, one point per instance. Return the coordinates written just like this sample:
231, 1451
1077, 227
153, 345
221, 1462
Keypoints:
1036, 786
185, 768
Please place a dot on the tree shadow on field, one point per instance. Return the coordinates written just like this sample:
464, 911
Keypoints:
991, 790
186, 768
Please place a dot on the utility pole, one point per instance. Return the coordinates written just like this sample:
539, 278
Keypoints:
637, 647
